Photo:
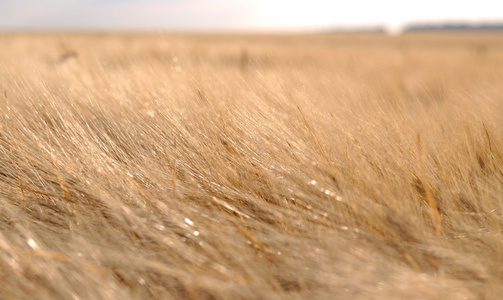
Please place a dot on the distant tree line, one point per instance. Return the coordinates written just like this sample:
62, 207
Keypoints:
453, 27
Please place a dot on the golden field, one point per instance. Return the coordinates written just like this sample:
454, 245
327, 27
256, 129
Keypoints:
177, 166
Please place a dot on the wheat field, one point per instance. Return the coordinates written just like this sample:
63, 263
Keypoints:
186, 166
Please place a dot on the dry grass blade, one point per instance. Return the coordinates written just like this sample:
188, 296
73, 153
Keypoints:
435, 214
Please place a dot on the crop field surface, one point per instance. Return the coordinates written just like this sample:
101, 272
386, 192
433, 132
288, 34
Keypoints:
186, 166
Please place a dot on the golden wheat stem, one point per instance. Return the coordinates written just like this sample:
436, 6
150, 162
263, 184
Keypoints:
435, 215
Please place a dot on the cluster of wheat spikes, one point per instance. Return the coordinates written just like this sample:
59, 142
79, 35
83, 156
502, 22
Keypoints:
316, 167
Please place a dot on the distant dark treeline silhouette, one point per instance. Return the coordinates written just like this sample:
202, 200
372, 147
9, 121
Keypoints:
453, 27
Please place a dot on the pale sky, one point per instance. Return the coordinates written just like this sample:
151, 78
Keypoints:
232, 15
